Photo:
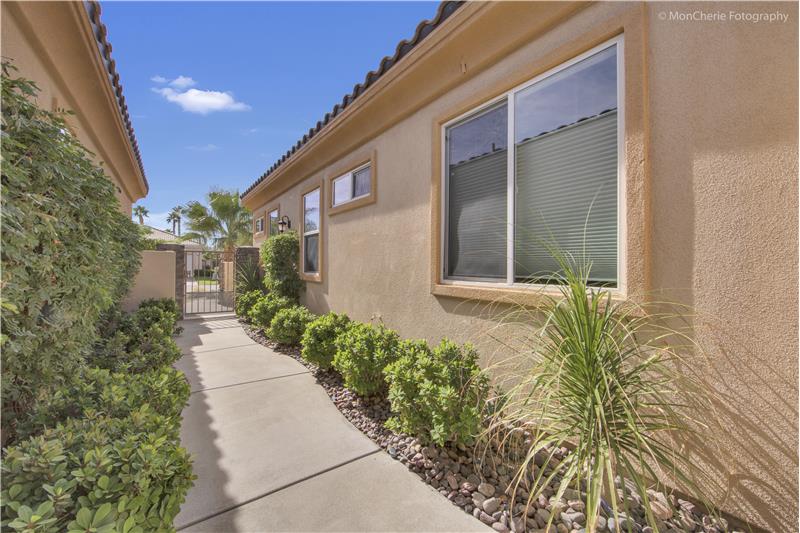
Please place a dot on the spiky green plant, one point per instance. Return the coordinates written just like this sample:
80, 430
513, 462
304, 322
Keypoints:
248, 276
603, 378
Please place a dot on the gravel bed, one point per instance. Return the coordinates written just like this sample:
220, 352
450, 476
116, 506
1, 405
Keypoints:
483, 490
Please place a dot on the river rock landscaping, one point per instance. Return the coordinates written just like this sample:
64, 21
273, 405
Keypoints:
483, 489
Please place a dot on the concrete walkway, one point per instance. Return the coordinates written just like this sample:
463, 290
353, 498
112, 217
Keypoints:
272, 452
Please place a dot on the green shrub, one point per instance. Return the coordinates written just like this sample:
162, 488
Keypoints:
362, 352
264, 310
137, 342
279, 255
437, 394
130, 473
168, 305
319, 339
289, 325
245, 301
99, 391
68, 251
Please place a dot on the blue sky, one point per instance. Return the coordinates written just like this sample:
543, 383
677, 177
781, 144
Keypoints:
217, 91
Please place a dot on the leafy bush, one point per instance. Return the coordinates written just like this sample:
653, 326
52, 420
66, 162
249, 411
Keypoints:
319, 339
279, 255
289, 324
437, 394
248, 276
168, 305
68, 251
117, 474
98, 391
362, 352
137, 342
264, 310
245, 301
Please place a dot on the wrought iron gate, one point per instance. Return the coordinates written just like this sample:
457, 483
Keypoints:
210, 282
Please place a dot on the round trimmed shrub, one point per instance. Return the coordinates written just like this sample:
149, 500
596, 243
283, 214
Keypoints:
289, 324
246, 301
362, 352
319, 339
264, 310
437, 394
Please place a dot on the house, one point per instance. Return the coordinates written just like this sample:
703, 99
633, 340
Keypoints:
62, 46
666, 142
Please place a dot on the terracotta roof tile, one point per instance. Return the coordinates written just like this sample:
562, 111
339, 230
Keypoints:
100, 33
424, 28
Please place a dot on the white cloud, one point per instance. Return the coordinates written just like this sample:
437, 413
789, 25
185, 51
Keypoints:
204, 148
249, 131
182, 82
159, 79
202, 102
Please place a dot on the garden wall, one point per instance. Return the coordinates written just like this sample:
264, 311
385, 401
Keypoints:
155, 279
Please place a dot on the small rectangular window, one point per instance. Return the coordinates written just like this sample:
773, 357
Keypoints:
311, 224
352, 186
260, 225
273, 222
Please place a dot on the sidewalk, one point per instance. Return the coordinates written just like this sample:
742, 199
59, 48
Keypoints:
272, 453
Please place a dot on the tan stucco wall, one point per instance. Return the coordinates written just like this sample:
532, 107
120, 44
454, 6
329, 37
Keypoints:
711, 162
49, 43
155, 279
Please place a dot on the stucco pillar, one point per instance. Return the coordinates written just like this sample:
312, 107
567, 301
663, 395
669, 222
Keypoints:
180, 272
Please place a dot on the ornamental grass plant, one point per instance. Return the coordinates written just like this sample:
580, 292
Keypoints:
610, 381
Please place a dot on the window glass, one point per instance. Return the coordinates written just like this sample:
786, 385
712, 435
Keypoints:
566, 170
273, 222
342, 189
477, 191
259, 225
311, 211
565, 178
362, 182
311, 255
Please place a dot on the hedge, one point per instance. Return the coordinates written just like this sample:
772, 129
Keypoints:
279, 255
68, 252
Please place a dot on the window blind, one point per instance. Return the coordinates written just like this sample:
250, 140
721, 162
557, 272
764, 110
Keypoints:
567, 197
477, 217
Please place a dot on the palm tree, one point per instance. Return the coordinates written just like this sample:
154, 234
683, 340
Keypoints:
225, 223
175, 216
141, 212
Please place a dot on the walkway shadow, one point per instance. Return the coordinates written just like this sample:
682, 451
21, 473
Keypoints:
196, 428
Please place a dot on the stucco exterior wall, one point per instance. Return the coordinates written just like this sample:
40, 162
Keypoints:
49, 43
711, 218
155, 279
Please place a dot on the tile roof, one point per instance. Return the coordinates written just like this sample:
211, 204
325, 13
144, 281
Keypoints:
100, 34
424, 28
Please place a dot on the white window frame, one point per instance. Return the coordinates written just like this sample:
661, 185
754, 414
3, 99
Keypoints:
352, 175
508, 97
269, 219
312, 232
261, 229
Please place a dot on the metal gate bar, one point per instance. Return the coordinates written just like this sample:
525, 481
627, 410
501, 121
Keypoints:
210, 282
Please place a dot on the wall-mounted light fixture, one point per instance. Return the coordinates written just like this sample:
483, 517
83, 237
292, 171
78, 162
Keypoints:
284, 223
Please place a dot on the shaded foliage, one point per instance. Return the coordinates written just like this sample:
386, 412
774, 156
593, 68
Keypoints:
68, 252
279, 255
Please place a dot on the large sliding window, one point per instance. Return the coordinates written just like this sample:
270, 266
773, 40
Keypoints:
311, 224
557, 189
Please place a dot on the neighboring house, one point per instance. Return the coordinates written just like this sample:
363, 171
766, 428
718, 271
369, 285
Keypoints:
62, 46
171, 238
682, 136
